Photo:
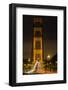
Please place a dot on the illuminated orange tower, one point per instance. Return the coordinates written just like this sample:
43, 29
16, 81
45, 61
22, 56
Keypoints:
37, 39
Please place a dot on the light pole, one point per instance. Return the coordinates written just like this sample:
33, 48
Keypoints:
28, 59
48, 57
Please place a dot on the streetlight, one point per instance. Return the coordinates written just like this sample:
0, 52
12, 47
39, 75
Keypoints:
28, 59
48, 57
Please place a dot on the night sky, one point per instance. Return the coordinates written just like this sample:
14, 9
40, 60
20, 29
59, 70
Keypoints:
49, 35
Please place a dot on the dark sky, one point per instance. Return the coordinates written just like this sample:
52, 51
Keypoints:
49, 35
